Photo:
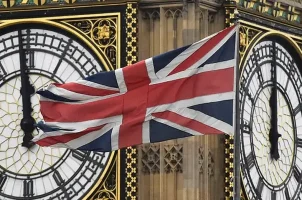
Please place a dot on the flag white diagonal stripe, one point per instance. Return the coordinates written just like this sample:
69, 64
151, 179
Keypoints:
150, 69
96, 85
83, 125
146, 132
194, 71
179, 59
191, 102
205, 119
120, 80
177, 126
85, 139
114, 137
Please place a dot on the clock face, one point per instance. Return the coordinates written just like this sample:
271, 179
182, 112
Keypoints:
36, 172
271, 123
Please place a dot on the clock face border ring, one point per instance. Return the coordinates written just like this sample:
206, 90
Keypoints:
297, 50
112, 156
296, 53
52, 24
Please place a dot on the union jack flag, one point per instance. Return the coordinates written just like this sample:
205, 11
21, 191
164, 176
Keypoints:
185, 92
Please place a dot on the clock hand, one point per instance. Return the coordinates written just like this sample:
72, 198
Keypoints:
27, 122
273, 134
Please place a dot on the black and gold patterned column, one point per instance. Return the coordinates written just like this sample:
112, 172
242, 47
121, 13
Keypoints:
131, 58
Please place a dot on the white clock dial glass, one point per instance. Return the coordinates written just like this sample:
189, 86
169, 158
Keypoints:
42, 173
274, 172
264, 176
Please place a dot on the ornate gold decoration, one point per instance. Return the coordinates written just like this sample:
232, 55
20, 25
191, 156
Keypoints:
282, 10
173, 158
247, 34
56, 23
229, 16
131, 58
229, 166
150, 158
103, 32
131, 171
201, 159
108, 190
131, 13
43, 3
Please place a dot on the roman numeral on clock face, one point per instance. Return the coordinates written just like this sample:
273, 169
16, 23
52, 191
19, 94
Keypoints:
273, 195
78, 155
299, 143
250, 161
246, 128
287, 197
58, 178
3, 179
260, 186
297, 174
28, 188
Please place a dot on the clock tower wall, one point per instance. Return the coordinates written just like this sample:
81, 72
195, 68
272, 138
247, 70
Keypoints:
190, 168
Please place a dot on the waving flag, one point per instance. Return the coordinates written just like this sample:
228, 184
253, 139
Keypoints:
185, 92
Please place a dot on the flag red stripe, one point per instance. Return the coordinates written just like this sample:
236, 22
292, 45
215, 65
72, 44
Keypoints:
135, 104
136, 75
64, 112
85, 90
207, 47
186, 122
52, 140
206, 83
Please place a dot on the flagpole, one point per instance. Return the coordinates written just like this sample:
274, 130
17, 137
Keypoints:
237, 180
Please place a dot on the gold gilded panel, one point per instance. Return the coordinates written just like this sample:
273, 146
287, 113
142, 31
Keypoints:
35, 4
109, 185
247, 35
104, 32
286, 11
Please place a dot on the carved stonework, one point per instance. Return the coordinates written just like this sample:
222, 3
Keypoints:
151, 14
201, 159
150, 158
211, 167
173, 158
211, 17
174, 13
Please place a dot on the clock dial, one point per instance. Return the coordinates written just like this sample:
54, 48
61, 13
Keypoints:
36, 172
271, 123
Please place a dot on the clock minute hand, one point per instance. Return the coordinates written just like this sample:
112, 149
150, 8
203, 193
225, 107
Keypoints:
27, 122
273, 134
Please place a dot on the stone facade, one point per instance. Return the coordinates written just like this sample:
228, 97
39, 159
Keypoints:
183, 169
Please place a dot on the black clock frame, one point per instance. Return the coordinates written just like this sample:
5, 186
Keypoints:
244, 126
92, 161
